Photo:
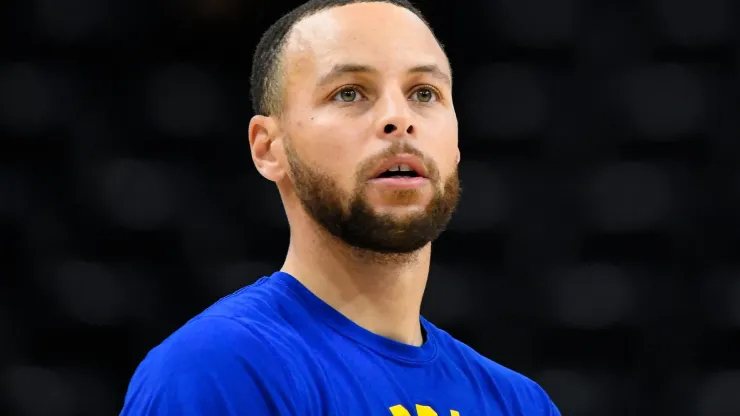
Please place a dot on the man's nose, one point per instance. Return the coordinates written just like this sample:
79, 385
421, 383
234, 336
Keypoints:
395, 120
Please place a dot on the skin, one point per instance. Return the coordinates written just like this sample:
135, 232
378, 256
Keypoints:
332, 139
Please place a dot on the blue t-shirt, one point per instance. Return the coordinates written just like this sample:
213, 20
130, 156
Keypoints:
274, 348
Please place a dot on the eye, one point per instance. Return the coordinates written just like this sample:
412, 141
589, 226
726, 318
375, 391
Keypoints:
348, 95
425, 95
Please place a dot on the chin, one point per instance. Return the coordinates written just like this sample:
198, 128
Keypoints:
400, 201
401, 211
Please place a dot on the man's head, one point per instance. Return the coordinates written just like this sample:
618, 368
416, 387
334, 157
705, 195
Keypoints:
347, 92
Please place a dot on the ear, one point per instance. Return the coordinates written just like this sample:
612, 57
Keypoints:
457, 159
266, 154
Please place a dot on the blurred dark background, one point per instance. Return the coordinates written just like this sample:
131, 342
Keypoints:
595, 249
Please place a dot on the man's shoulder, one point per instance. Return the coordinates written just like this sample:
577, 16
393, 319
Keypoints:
461, 351
219, 363
216, 340
246, 325
514, 388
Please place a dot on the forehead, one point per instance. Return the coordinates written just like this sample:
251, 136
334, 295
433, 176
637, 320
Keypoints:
378, 34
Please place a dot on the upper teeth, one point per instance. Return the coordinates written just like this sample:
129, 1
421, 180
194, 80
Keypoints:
402, 168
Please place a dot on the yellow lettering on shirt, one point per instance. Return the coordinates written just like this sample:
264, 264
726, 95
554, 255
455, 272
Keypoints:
399, 410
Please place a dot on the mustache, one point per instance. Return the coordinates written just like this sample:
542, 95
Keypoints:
399, 147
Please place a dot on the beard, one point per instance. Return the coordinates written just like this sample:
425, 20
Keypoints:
349, 217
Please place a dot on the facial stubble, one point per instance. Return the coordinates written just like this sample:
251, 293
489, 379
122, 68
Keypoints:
350, 217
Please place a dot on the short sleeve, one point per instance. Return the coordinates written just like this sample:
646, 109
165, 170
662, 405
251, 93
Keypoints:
210, 366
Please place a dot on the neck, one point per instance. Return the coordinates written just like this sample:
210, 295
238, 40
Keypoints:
381, 293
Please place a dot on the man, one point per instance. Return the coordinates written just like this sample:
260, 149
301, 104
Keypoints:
356, 126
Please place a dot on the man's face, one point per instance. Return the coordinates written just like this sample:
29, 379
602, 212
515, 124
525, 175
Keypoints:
368, 91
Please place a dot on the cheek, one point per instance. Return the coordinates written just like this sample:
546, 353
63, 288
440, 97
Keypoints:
447, 153
334, 161
336, 149
451, 144
448, 167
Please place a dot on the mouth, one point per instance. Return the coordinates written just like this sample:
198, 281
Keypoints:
398, 171
401, 173
401, 167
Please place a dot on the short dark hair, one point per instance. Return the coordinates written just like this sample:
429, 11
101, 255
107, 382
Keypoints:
266, 86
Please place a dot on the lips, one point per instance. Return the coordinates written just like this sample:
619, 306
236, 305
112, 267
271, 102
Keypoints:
407, 163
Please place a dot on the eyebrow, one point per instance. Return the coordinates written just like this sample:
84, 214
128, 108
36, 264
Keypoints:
343, 69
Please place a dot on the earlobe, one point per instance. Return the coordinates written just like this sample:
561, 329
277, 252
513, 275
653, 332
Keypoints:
457, 159
262, 133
